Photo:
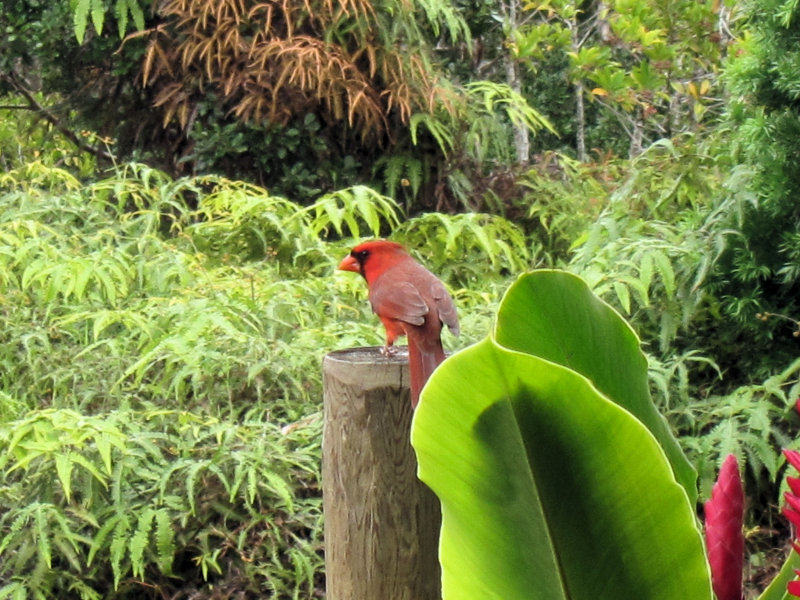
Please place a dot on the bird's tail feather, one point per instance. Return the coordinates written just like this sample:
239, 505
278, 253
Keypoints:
422, 360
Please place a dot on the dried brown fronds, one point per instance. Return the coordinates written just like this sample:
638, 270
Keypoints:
277, 59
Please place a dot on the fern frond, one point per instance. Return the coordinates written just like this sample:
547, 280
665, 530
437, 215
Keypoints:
98, 15
41, 531
193, 473
440, 131
12, 533
119, 546
278, 486
99, 540
80, 18
137, 13
240, 474
64, 464
140, 540
16, 590
401, 170
121, 14
165, 540
67, 540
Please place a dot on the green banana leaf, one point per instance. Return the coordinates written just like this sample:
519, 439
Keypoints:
554, 315
549, 489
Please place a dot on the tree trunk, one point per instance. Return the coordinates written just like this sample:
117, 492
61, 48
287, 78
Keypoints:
522, 143
637, 134
580, 110
580, 122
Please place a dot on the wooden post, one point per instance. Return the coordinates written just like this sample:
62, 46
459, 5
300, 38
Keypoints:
381, 523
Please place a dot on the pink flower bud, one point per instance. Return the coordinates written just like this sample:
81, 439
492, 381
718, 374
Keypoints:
792, 509
724, 518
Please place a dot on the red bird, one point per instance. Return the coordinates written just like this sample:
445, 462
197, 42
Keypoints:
409, 300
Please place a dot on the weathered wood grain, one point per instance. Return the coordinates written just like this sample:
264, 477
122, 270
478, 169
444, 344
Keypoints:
381, 523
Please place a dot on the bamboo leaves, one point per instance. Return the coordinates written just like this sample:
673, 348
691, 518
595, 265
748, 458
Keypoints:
280, 60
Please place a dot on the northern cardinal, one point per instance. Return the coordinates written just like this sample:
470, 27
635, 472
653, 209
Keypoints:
409, 300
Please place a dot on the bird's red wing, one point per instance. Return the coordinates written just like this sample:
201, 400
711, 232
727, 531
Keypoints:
445, 307
398, 300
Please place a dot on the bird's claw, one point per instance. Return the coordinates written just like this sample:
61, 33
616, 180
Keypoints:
388, 351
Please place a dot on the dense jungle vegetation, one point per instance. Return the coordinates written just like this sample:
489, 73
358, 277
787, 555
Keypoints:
179, 179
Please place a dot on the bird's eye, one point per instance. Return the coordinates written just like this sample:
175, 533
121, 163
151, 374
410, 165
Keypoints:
363, 254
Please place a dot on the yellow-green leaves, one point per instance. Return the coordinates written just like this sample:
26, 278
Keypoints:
66, 438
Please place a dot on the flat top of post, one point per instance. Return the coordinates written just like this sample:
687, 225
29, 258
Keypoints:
368, 366
369, 355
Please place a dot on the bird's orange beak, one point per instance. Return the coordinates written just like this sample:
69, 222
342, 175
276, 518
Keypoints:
349, 264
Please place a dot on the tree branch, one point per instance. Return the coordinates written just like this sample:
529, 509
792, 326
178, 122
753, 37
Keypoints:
34, 105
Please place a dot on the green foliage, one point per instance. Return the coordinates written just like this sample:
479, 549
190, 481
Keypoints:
348, 207
754, 422
490, 247
473, 140
144, 500
573, 328
404, 170
760, 273
160, 342
83, 8
560, 199
89, 85
492, 98
434, 73
25, 138
652, 249
777, 589
27, 27
657, 251
296, 160
163, 294
217, 297
124, 11
619, 75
